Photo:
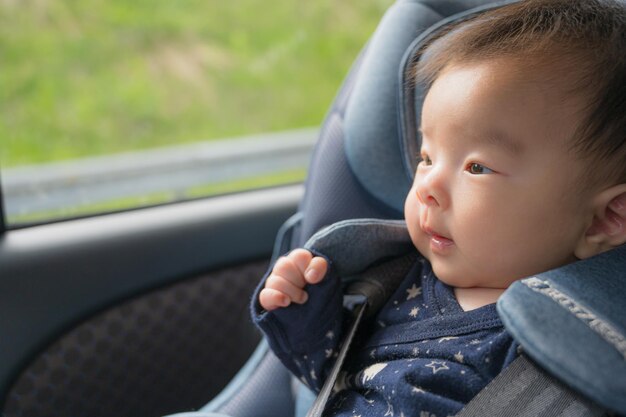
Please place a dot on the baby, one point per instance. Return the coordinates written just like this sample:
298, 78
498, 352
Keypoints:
522, 170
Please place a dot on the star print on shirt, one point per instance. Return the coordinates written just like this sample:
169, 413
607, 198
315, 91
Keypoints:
445, 339
372, 371
458, 357
414, 311
413, 292
437, 366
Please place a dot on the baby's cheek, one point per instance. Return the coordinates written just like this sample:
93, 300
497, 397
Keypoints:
412, 215
421, 241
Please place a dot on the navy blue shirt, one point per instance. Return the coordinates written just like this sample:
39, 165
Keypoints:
422, 355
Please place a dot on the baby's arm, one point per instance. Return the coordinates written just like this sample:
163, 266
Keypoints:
290, 275
305, 336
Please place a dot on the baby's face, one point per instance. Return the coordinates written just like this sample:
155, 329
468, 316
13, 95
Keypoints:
495, 197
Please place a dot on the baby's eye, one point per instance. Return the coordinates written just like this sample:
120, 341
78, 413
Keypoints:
425, 159
478, 169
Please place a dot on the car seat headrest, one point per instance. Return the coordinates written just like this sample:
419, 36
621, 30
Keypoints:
372, 134
572, 321
381, 118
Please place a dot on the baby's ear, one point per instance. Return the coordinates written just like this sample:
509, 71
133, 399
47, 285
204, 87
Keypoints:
608, 227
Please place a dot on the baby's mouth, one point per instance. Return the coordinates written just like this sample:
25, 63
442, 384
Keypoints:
438, 242
434, 234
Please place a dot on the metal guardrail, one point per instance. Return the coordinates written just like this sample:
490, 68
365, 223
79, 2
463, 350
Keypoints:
54, 186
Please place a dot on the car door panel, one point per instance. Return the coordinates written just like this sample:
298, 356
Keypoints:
143, 312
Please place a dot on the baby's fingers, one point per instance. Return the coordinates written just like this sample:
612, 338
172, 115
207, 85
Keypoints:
316, 270
271, 299
287, 288
300, 258
288, 268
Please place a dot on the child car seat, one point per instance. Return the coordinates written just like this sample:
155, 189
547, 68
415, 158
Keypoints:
362, 167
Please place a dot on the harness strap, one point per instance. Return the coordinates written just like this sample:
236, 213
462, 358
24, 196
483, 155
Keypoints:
318, 406
365, 295
525, 390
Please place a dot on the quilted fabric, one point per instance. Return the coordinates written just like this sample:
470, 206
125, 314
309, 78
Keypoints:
169, 350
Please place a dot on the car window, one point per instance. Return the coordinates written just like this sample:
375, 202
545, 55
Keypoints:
111, 105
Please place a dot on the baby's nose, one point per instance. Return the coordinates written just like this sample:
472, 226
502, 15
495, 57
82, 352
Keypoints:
431, 191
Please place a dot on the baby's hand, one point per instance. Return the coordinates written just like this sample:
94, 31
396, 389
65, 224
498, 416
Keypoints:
288, 278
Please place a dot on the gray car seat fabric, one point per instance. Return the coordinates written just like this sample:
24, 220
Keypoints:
551, 313
258, 372
372, 134
525, 390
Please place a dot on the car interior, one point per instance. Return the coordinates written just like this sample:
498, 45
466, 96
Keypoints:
145, 312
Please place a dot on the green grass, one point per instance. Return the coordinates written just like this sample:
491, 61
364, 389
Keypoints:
84, 78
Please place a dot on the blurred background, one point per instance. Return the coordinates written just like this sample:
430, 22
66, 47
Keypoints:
113, 105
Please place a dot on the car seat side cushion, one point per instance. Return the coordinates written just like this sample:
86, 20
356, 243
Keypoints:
572, 322
372, 131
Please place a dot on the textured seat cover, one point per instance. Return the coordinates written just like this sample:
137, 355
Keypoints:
572, 322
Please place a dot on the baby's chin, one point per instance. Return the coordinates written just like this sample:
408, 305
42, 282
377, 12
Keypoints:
455, 273
445, 273
456, 281
456, 278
